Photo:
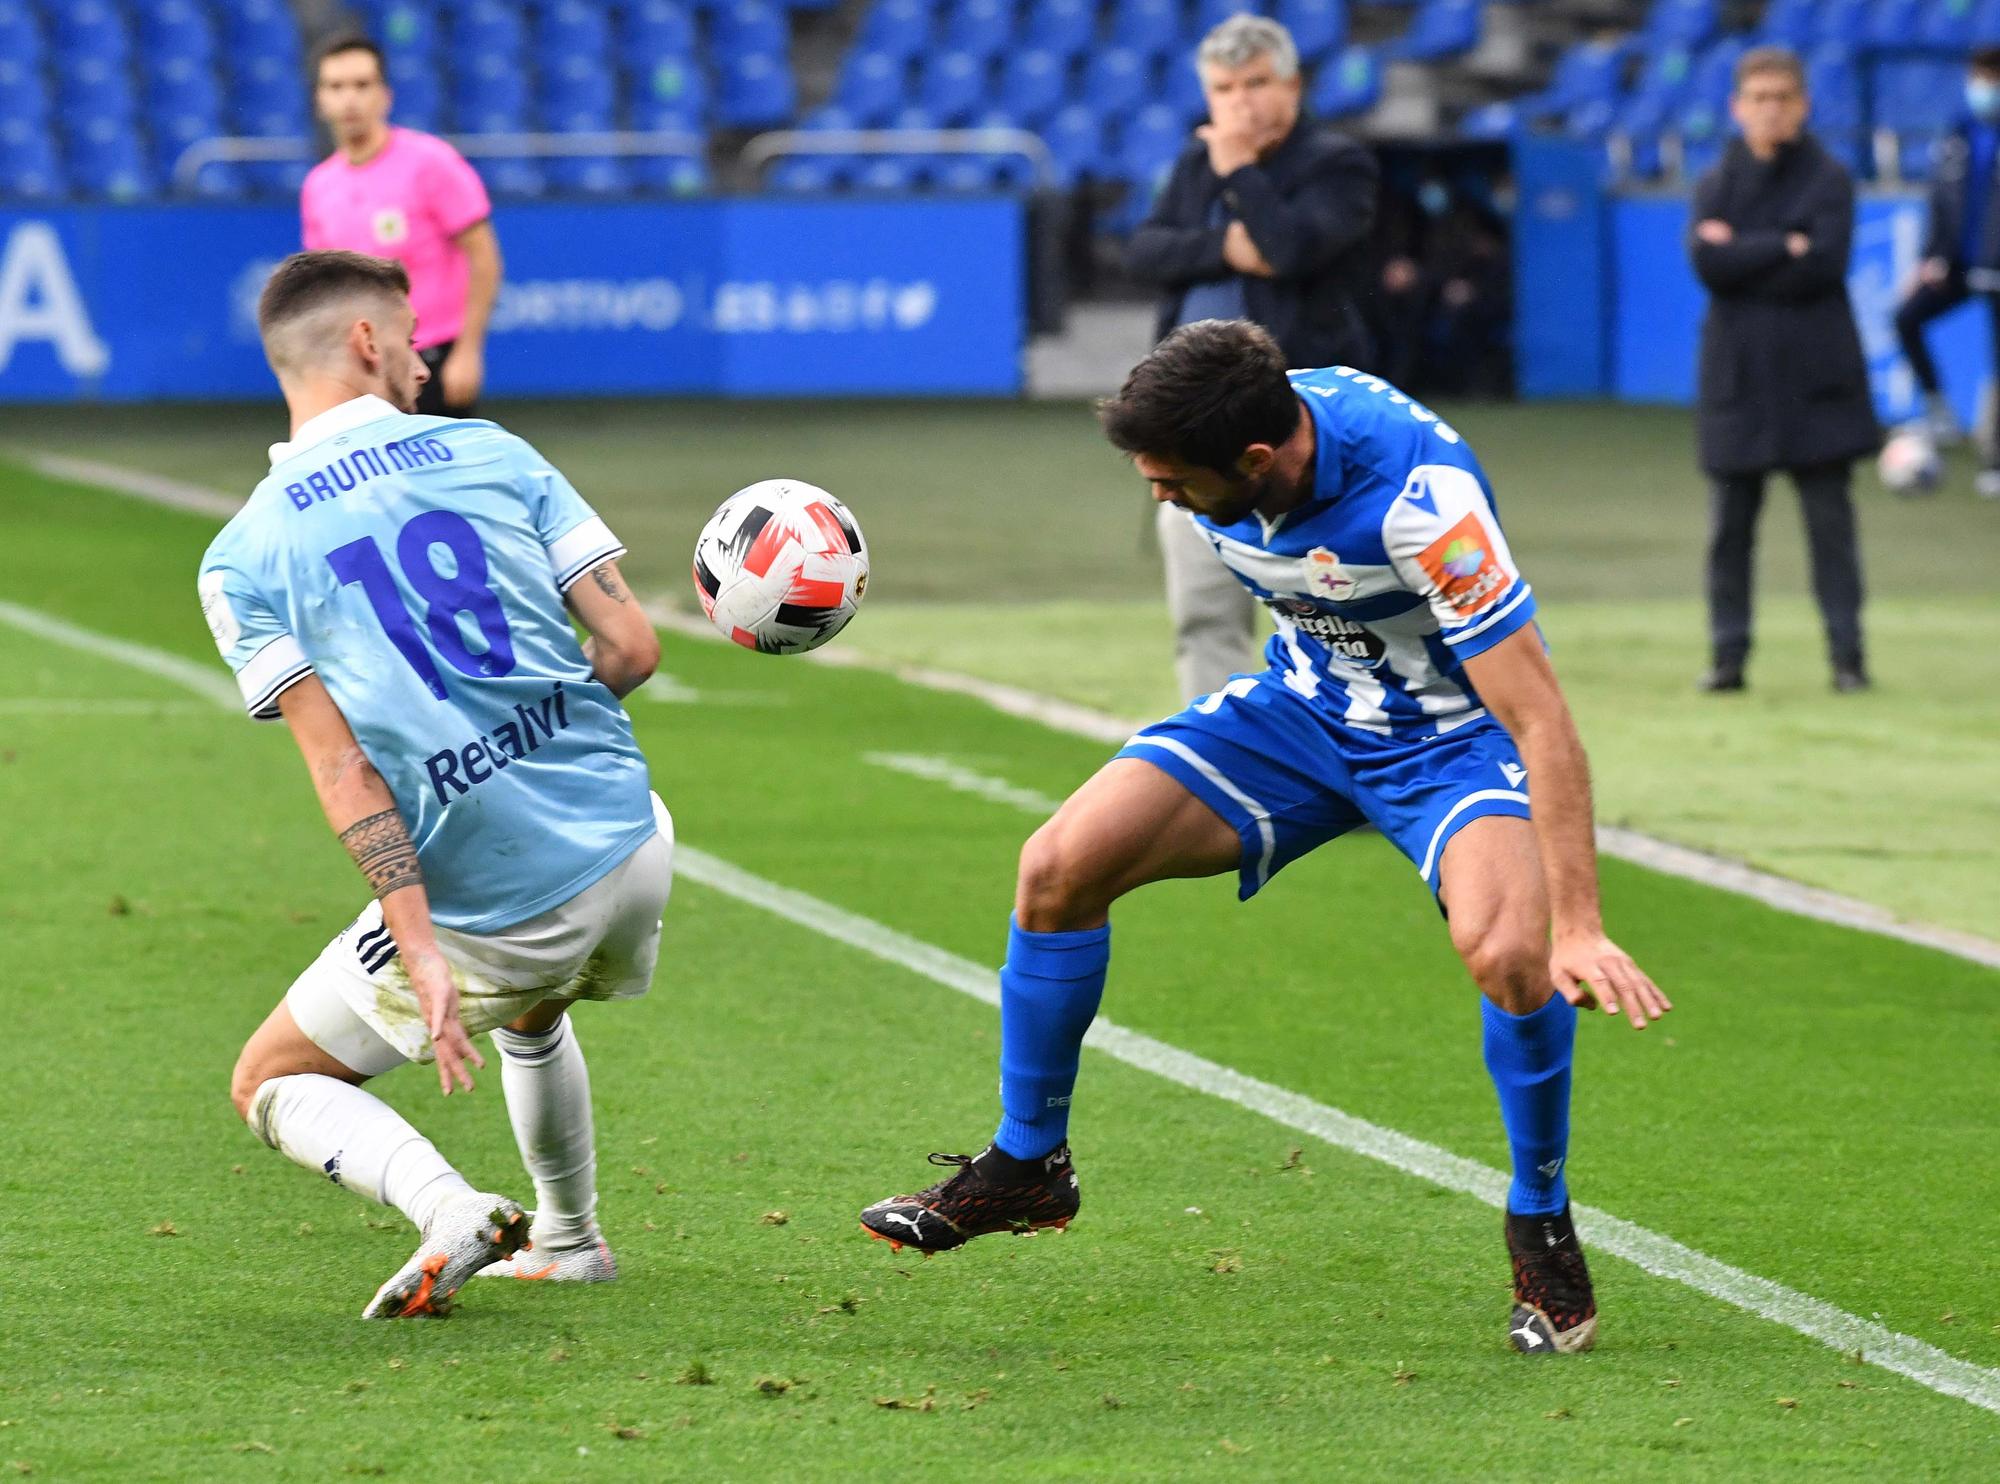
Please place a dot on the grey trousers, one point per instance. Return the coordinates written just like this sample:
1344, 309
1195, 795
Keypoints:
1734, 503
1215, 618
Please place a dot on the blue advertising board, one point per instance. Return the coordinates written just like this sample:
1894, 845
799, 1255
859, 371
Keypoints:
731, 298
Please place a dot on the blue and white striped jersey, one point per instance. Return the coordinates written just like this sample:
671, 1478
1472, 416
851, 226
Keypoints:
417, 566
1392, 574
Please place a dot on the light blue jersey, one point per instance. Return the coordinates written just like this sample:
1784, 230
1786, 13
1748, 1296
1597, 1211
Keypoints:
1392, 574
417, 566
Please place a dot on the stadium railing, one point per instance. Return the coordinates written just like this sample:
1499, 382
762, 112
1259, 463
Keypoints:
763, 149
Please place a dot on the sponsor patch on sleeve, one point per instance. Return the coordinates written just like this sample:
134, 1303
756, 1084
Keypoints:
1464, 563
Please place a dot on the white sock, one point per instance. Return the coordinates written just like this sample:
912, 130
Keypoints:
335, 1129
548, 1099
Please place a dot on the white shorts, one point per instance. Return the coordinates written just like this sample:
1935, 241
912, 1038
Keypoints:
355, 1003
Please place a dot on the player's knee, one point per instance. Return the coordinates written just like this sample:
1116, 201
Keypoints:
1509, 965
244, 1081
1053, 892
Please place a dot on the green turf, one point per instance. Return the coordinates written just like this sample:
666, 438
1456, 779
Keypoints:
1817, 1111
1011, 543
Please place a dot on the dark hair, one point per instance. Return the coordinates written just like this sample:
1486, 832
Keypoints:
1769, 59
351, 41
1207, 392
1987, 60
307, 280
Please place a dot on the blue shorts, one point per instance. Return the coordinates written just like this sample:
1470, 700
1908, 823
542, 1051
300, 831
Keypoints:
1289, 775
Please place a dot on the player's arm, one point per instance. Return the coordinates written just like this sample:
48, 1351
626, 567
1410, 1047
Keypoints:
464, 370
623, 648
363, 814
1518, 686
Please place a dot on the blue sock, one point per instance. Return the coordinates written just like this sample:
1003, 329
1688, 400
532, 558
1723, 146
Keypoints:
1049, 991
1528, 1056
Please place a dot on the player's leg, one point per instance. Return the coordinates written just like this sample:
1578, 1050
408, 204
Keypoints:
1924, 304
1734, 502
1491, 884
1826, 502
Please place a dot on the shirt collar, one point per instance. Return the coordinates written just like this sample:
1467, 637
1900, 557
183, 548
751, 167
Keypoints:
365, 408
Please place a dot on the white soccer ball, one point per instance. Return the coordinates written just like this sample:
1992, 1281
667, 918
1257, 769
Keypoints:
1909, 462
780, 567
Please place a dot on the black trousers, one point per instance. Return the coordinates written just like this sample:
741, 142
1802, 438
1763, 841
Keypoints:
1735, 500
1927, 301
430, 397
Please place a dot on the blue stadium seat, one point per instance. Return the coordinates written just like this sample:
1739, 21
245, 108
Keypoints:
29, 170
105, 159
576, 84
653, 29
1841, 23
1662, 87
751, 26
91, 87
1500, 120
671, 175
172, 133
1917, 96
1441, 28
829, 118
673, 85
952, 85
983, 26
754, 90
176, 28
572, 27
23, 93
1348, 83
870, 86
93, 28
887, 174
1208, 14
1985, 23
587, 175
1033, 84
20, 34
1894, 23
1149, 143
419, 95
1703, 115
1075, 137
490, 99
1946, 25
1681, 23
512, 179
487, 26
1318, 27
1589, 74
406, 26
1066, 27
804, 175
1834, 83
899, 28
1181, 87
1788, 23
1116, 81
1150, 27
260, 26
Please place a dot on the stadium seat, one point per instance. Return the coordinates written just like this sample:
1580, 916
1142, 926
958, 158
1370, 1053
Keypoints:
1946, 25
90, 87
176, 28
1916, 96
1589, 74
1348, 83
408, 26
1441, 28
1985, 23
1500, 120
1662, 87
419, 95
1318, 27
20, 35
1181, 88
1116, 81
488, 27
512, 179
23, 93
1149, 144
1703, 114
260, 26
676, 85
1788, 23
898, 28
982, 26
490, 99
587, 175
1075, 137
1896, 23
1150, 27
1033, 84
754, 90
105, 159
1067, 28
887, 174
172, 133
29, 170
952, 85
654, 29
577, 84
91, 28
1842, 23
829, 118
870, 86
1681, 23
804, 175
751, 27
1208, 14
572, 28
1834, 84
670, 175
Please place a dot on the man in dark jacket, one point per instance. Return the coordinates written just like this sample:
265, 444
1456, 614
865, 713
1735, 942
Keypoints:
1265, 217
1961, 249
1783, 383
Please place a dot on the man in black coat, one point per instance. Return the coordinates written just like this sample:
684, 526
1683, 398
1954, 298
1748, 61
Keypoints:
1783, 382
1265, 217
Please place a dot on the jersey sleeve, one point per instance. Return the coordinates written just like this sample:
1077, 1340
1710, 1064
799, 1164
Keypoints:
253, 639
453, 191
1446, 545
574, 535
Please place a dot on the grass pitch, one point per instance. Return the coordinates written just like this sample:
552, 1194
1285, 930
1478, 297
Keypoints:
1234, 1300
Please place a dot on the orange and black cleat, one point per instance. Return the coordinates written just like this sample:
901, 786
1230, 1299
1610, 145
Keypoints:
988, 1193
1555, 1308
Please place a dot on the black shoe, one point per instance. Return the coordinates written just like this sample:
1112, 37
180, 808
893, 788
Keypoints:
993, 1192
1850, 678
1720, 677
1554, 1308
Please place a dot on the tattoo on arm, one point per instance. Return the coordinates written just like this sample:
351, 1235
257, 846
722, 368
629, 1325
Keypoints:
382, 848
607, 583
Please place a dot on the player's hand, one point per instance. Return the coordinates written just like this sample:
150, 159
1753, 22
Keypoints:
1716, 232
1590, 969
1229, 150
1240, 253
463, 374
437, 995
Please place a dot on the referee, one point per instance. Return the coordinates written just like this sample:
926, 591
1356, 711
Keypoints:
397, 193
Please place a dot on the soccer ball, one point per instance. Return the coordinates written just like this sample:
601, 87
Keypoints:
1909, 462
780, 567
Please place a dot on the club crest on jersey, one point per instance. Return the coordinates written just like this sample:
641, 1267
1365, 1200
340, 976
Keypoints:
1465, 566
391, 226
1324, 577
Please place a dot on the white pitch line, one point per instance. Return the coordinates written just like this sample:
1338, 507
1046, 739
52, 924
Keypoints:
961, 779
1659, 1255
120, 480
200, 679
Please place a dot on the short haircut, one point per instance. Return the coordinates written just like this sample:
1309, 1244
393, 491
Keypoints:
1769, 59
1205, 394
350, 41
1242, 39
302, 291
1987, 59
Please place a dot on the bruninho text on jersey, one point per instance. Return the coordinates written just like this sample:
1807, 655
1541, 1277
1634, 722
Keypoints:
331, 481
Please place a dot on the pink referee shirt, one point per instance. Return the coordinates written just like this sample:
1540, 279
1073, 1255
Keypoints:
408, 202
